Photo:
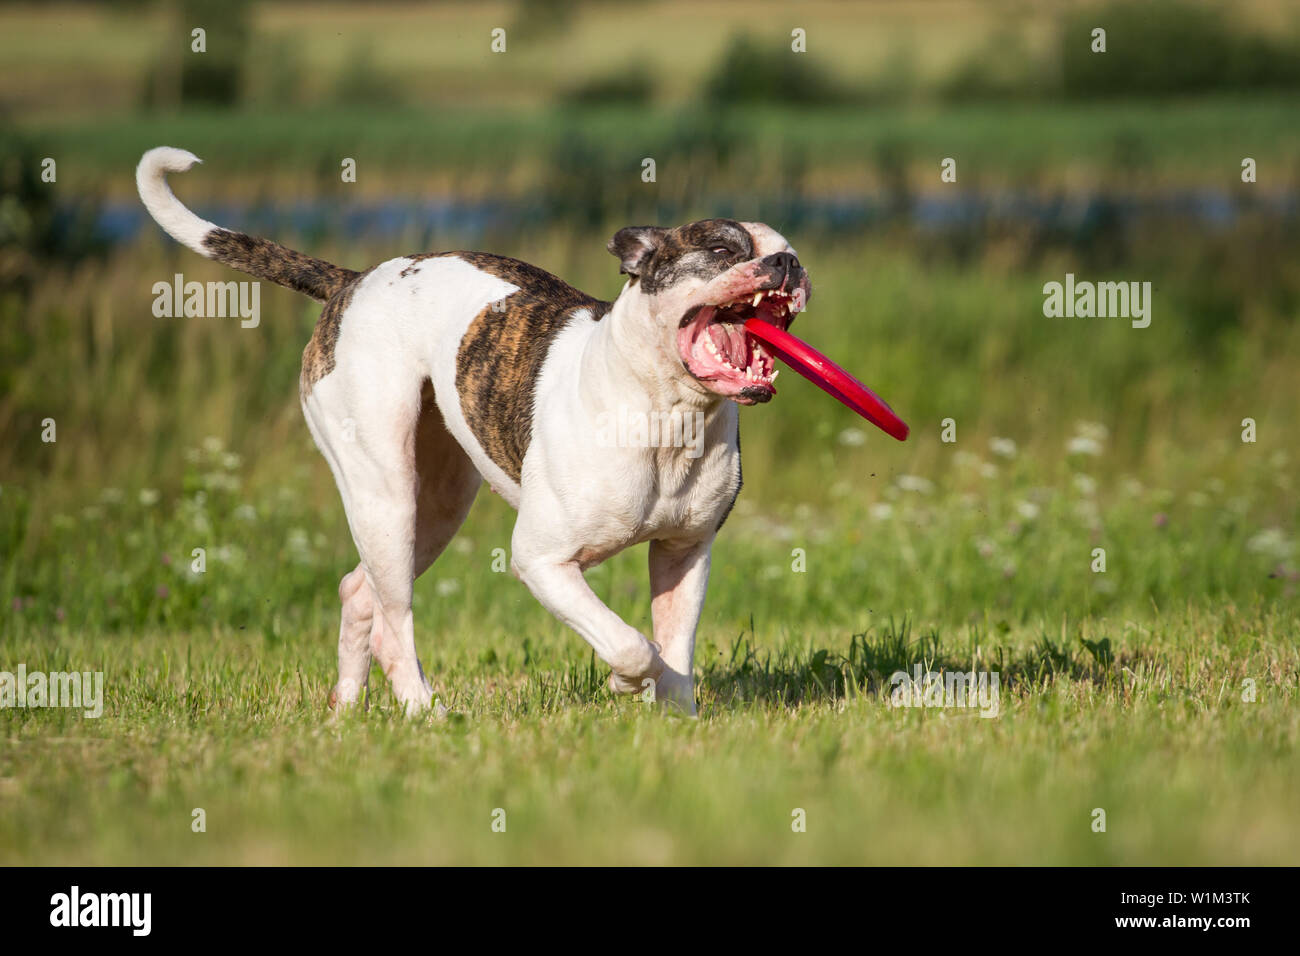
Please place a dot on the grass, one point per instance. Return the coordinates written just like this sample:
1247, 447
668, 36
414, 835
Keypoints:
413, 93
234, 724
838, 151
1120, 690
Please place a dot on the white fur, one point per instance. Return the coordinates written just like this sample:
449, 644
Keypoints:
151, 179
413, 326
766, 239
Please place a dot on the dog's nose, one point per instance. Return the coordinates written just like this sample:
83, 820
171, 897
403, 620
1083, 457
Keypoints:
782, 266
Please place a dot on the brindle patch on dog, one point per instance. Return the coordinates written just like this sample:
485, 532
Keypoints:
269, 260
689, 251
502, 353
318, 356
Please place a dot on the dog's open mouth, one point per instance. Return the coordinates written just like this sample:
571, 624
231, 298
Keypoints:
717, 350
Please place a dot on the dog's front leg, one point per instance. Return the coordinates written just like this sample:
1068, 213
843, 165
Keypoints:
560, 587
679, 577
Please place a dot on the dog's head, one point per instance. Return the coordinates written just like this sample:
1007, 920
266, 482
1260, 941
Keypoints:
700, 282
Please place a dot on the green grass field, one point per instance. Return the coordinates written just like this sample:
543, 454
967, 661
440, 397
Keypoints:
1162, 690
233, 723
1121, 690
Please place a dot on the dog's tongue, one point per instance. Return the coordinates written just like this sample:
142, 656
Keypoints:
730, 340
828, 376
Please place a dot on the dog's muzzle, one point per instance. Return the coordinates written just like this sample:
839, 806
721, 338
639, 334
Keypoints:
782, 271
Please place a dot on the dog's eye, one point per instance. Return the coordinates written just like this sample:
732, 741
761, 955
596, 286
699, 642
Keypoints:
720, 251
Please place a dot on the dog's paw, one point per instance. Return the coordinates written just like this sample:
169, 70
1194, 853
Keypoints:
675, 693
419, 703
619, 684
637, 677
345, 694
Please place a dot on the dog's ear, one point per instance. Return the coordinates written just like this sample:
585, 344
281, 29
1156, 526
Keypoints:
634, 245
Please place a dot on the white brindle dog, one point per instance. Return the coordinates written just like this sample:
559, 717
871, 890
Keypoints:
427, 374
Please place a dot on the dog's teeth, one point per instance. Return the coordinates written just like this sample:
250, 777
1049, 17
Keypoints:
775, 373
758, 297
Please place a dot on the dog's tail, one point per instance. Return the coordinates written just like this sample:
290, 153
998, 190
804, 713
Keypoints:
258, 257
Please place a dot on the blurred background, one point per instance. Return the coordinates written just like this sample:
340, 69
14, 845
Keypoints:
1071, 433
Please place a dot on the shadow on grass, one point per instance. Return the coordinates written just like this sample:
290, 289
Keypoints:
789, 677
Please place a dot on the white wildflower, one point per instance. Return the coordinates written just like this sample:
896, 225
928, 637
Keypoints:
1027, 510
1003, 447
915, 483
1271, 542
1093, 430
1083, 445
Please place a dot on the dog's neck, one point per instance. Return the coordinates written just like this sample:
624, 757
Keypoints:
629, 350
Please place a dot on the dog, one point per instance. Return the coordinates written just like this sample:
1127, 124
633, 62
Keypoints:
428, 374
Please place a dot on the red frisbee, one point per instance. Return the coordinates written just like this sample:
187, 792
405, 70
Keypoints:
829, 377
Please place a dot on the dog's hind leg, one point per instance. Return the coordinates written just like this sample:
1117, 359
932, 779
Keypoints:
407, 487
447, 484
444, 487
334, 434
354, 638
